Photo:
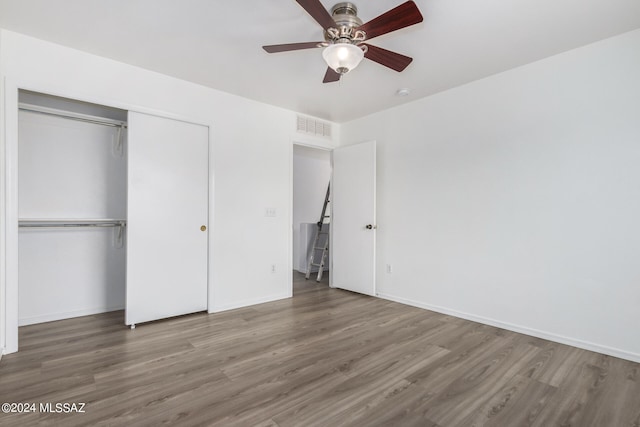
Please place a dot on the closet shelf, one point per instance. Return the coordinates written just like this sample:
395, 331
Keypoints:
69, 222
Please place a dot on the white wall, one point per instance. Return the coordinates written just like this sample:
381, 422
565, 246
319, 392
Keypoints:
251, 159
514, 200
311, 173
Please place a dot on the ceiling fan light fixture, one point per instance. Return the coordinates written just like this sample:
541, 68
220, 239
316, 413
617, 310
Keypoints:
342, 57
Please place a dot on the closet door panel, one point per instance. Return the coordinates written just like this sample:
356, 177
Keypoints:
167, 209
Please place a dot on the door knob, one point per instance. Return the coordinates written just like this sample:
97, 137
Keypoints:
203, 228
371, 227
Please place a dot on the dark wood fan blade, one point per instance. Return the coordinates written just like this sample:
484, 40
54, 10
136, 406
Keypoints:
318, 12
275, 48
331, 76
385, 57
399, 17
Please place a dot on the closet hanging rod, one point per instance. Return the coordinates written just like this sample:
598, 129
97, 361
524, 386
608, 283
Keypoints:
71, 116
70, 223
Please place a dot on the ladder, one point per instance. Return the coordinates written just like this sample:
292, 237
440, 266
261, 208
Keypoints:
321, 242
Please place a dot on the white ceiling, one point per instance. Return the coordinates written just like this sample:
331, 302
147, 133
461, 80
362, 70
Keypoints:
218, 44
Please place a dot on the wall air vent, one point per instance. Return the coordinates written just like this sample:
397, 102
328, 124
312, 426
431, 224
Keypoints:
313, 127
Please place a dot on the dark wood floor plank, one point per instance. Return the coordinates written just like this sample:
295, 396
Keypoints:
469, 391
243, 403
357, 392
619, 382
437, 376
517, 403
569, 406
324, 357
397, 405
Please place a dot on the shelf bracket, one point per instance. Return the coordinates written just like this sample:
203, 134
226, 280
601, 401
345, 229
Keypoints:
118, 146
118, 235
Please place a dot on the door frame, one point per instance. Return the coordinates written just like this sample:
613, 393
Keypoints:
9, 196
319, 145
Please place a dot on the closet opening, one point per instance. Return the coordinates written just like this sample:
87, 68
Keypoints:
107, 209
72, 208
311, 176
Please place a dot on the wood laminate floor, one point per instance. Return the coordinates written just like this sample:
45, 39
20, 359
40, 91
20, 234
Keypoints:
326, 357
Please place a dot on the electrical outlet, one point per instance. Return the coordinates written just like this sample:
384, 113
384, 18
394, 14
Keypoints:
389, 268
273, 268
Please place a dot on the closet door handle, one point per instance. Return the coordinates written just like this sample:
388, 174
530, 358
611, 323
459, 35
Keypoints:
203, 228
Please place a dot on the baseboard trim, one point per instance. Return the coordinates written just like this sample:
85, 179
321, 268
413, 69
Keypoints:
249, 302
52, 317
585, 345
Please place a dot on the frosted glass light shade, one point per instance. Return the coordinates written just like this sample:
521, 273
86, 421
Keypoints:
342, 57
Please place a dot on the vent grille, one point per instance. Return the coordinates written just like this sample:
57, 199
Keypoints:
313, 127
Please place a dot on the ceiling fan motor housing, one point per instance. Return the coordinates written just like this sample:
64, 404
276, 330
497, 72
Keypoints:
345, 15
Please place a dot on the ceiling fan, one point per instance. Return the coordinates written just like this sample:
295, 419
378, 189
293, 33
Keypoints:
345, 36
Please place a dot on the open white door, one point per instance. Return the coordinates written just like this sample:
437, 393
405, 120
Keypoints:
167, 211
353, 218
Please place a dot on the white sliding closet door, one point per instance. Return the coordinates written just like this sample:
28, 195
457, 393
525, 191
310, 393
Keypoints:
167, 212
